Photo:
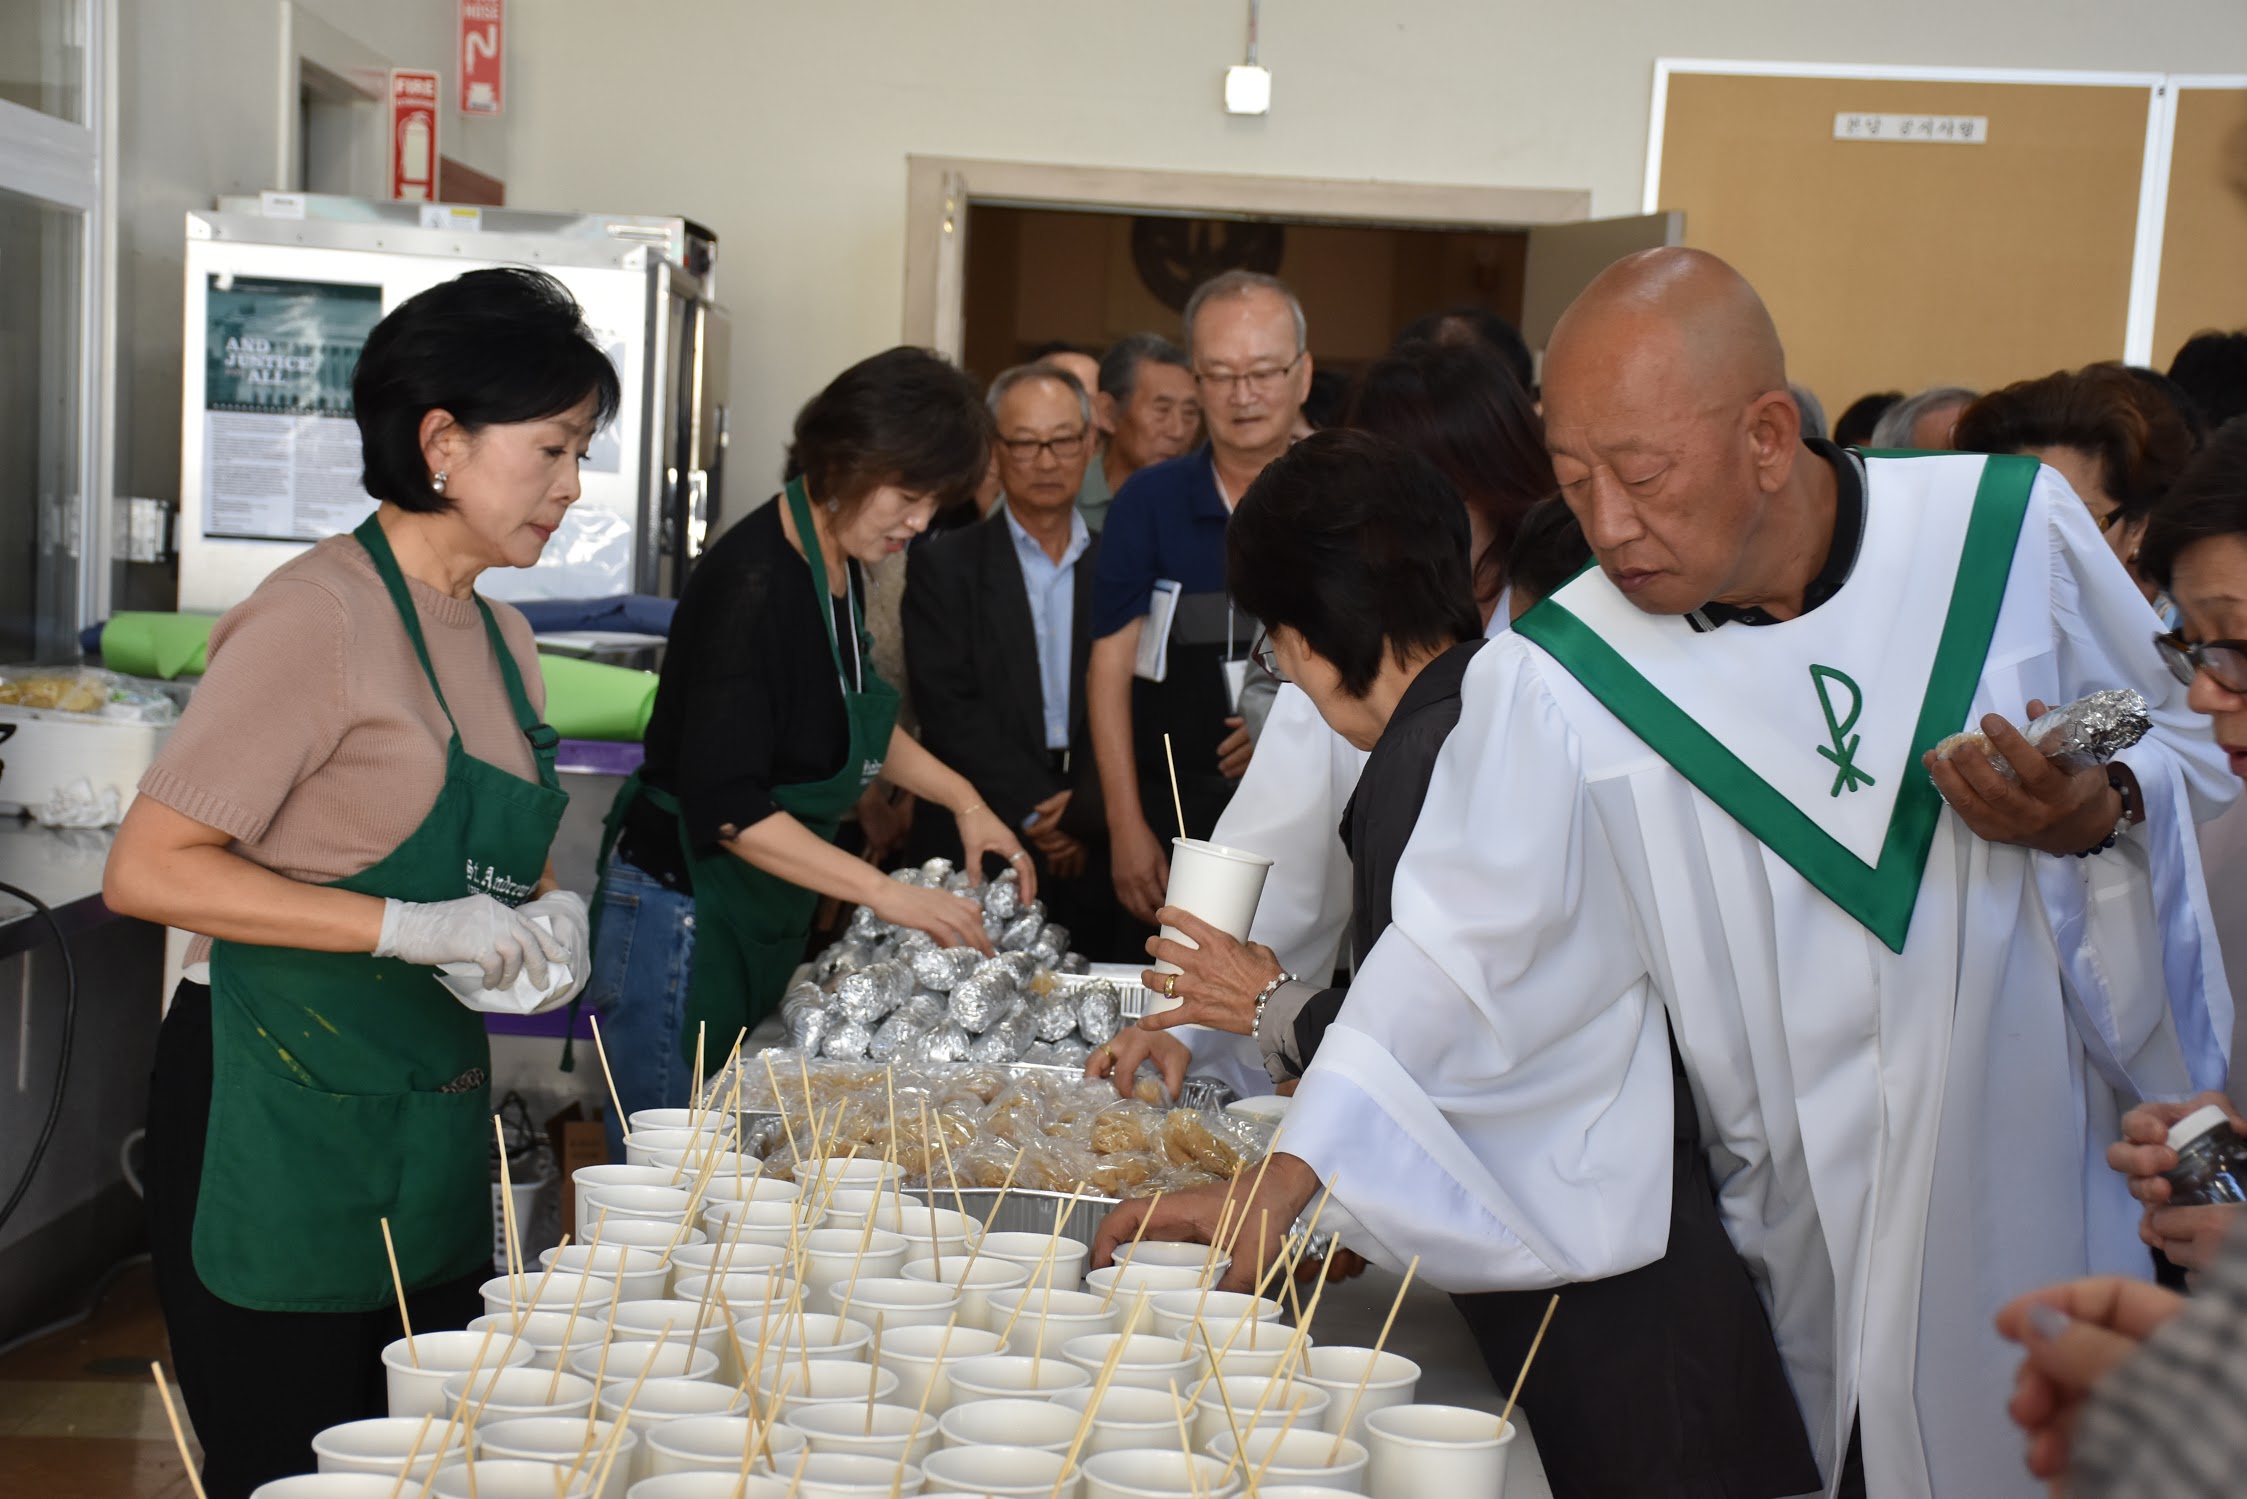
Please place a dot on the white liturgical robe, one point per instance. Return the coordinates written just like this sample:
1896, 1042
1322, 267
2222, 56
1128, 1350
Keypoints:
1907, 1072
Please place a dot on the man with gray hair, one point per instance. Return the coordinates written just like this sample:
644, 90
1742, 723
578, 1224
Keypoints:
1165, 536
1147, 409
998, 622
1923, 422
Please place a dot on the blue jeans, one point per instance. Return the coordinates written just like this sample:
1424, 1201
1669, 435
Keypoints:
643, 952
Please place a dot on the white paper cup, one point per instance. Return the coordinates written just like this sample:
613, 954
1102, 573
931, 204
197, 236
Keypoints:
1148, 1363
1150, 1473
1128, 1419
644, 1233
327, 1486
560, 1291
709, 1484
647, 1203
851, 1171
849, 1207
899, 1431
1258, 1348
793, 1384
662, 1401
1005, 1375
1019, 1422
645, 1321
1299, 1491
416, 1378
745, 1290
1127, 1281
731, 1258
1028, 1251
1049, 1321
593, 1178
827, 1337
1178, 1256
627, 1361
772, 1224
707, 1121
714, 1444
559, 1439
1218, 884
1436, 1449
999, 1473
1174, 1312
542, 1332
1261, 1110
844, 1475
758, 1188
639, 1273
974, 1282
831, 1256
641, 1148
1244, 1392
1298, 1457
1336, 1370
910, 1354
505, 1394
900, 1302
689, 1163
510, 1478
952, 1231
382, 1444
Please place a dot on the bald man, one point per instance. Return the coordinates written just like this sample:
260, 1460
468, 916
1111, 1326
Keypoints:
1690, 799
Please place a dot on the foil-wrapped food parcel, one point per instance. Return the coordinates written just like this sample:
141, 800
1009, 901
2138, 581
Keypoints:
1054, 1132
2089, 731
891, 995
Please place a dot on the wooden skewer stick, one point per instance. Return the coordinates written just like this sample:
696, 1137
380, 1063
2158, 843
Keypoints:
796, 1481
976, 1249
944, 1145
1092, 1403
1251, 1322
1225, 1404
1350, 1412
623, 1121
780, 1102
1271, 1149
1301, 1340
1506, 1417
1044, 1268
935, 1240
1256, 1479
920, 1413
610, 1448
413, 1453
1209, 1261
1116, 1283
1177, 803
701, 1031
507, 1217
399, 1285
562, 1357
874, 1380
445, 1438
179, 1437
803, 1070
1185, 1442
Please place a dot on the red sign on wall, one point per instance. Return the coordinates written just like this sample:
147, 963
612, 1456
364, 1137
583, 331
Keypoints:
413, 134
482, 69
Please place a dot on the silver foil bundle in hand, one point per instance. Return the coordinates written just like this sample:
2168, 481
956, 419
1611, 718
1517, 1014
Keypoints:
2089, 731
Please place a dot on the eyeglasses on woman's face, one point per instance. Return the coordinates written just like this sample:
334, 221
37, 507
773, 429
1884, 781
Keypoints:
2225, 661
1267, 660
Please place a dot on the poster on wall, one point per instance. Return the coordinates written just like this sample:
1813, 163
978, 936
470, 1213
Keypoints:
280, 447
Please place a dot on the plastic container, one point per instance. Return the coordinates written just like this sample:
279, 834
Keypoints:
418, 1388
1220, 885
1417, 1450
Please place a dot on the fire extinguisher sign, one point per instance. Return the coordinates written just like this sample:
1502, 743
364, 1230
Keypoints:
481, 70
413, 135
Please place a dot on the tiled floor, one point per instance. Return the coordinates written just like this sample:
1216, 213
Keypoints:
79, 1415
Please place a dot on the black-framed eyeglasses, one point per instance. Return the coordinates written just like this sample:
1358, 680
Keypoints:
2225, 661
1263, 379
1267, 661
1026, 449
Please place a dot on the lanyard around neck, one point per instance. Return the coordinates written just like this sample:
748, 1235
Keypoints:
799, 507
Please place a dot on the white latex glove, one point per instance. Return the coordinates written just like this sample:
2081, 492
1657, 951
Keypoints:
502, 942
573, 925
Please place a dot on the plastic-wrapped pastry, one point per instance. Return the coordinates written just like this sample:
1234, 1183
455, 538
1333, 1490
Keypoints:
1056, 1017
846, 1042
2089, 731
864, 998
1003, 898
1021, 932
1119, 1175
1189, 1140
1124, 1127
1071, 1053
977, 1004
1099, 1013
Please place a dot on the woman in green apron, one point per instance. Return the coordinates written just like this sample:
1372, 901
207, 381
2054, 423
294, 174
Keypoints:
361, 789
768, 725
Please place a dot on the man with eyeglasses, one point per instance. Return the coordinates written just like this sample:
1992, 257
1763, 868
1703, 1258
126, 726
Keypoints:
1247, 341
997, 620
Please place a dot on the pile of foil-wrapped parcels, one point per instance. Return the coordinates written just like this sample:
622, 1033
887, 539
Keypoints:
890, 994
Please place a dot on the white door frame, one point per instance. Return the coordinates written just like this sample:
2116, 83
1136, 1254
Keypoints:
2153, 176
940, 190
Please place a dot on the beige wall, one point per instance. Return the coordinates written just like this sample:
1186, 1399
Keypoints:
199, 115
785, 126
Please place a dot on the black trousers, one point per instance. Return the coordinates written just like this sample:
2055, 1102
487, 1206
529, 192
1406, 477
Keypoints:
1664, 1382
258, 1385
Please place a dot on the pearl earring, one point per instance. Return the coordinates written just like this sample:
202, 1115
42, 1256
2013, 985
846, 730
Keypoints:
437, 481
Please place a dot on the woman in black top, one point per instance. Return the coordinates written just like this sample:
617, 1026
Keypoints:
1352, 551
769, 722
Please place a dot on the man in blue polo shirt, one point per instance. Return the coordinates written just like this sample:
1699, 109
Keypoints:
1252, 369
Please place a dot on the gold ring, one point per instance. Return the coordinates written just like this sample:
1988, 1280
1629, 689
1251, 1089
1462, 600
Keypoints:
1170, 987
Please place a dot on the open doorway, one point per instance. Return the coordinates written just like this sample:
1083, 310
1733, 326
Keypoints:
1036, 276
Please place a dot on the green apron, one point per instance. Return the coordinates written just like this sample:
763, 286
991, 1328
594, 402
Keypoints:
348, 1088
750, 926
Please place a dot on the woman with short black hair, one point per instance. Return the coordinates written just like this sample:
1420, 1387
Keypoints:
361, 790
770, 721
